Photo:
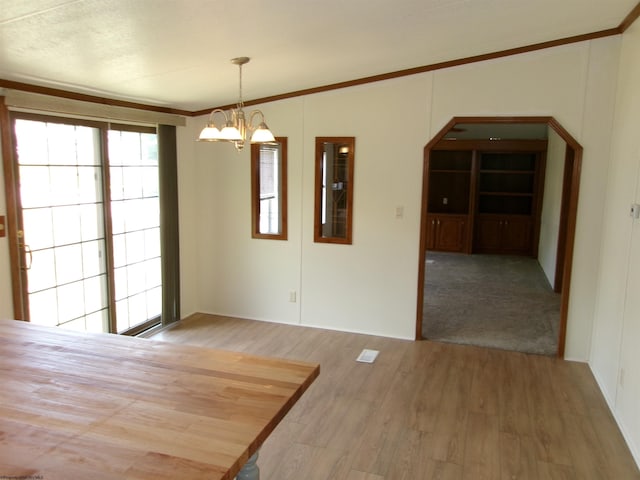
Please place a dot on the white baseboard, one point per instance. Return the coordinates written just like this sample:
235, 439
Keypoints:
633, 448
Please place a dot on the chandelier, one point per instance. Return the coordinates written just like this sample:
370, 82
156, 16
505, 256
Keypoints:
236, 129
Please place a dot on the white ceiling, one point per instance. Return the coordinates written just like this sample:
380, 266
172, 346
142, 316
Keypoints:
176, 53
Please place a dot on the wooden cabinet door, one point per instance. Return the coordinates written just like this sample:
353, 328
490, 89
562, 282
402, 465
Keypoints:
488, 235
431, 232
508, 234
451, 233
516, 235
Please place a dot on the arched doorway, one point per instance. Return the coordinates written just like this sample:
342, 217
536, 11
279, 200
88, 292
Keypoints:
482, 126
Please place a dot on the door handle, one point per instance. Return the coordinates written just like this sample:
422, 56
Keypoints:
27, 251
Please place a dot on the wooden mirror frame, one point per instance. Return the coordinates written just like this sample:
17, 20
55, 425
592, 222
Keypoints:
348, 143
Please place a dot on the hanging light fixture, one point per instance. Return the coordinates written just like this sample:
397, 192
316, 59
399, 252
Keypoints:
236, 128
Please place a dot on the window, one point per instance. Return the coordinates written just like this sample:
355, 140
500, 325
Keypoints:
269, 190
88, 214
135, 226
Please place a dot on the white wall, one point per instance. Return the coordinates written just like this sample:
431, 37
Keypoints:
615, 357
371, 286
551, 203
570, 84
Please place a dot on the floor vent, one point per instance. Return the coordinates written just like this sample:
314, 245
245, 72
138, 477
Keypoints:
367, 356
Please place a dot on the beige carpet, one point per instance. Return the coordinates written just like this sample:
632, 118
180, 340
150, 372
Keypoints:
497, 301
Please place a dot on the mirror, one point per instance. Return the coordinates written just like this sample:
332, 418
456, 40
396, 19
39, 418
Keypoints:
269, 190
334, 189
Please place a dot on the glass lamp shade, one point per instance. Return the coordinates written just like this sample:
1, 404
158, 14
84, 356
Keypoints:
262, 134
230, 133
210, 133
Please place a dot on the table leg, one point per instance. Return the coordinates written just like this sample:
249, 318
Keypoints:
250, 471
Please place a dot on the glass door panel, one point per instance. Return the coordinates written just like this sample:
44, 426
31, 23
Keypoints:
63, 224
135, 214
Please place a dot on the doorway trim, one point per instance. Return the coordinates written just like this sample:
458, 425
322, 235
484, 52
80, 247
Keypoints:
569, 210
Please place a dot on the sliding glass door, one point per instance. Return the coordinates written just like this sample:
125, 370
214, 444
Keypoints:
89, 219
135, 227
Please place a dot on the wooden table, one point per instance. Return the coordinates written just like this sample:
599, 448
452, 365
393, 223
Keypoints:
99, 406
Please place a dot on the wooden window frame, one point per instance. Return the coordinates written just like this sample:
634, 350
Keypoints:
255, 193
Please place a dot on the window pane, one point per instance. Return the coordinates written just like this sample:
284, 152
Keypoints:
269, 190
89, 185
93, 258
64, 185
122, 314
34, 186
34, 151
136, 278
62, 144
95, 294
152, 243
43, 307
91, 221
119, 251
87, 146
135, 246
132, 182
37, 224
154, 302
70, 301
42, 273
121, 283
66, 225
98, 322
135, 211
68, 263
153, 273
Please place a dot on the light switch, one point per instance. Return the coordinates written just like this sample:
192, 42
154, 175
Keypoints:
399, 212
634, 212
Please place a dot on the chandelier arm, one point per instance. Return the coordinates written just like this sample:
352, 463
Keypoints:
213, 113
253, 113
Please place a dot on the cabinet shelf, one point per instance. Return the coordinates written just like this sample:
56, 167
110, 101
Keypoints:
508, 194
484, 200
508, 172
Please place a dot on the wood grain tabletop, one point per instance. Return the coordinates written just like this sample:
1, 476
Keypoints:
102, 406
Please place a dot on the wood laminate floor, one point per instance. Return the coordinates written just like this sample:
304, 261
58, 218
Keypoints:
426, 410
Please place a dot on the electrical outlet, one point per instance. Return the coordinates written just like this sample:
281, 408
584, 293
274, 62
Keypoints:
292, 296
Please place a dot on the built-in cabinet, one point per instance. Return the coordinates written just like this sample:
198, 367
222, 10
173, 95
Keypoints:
446, 232
485, 197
